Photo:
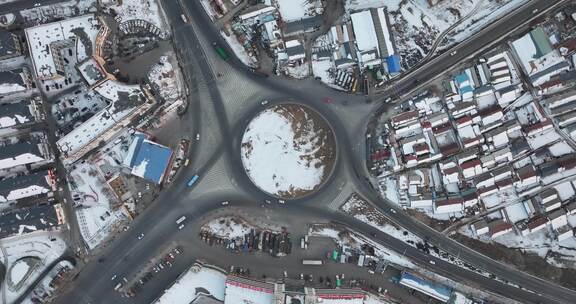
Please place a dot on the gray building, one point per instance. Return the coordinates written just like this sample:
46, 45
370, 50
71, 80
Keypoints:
24, 153
9, 45
23, 113
35, 185
28, 220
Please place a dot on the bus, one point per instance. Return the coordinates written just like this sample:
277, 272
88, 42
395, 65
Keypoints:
221, 51
312, 262
180, 220
193, 180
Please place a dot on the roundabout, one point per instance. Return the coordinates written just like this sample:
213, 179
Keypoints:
288, 151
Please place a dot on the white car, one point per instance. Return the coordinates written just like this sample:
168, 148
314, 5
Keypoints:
141, 236
37, 4
197, 136
113, 277
453, 53
281, 201
432, 262
393, 211
180, 227
264, 102
224, 203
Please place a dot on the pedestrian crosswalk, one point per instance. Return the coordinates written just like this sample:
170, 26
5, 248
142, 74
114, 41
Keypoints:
341, 198
216, 178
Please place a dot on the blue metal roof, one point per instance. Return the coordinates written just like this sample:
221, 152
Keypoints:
155, 158
461, 79
136, 142
393, 63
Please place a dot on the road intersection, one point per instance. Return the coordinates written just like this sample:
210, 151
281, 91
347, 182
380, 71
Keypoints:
225, 105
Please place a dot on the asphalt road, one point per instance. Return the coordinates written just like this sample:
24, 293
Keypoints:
127, 255
18, 5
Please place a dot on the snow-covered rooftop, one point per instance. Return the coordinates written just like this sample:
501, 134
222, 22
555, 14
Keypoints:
292, 9
364, 31
150, 161
31, 219
91, 71
19, 187
197, 281
23, 153
436, 291
13, 81
42, 36
13, 114
532, 57
242, 291
126, 99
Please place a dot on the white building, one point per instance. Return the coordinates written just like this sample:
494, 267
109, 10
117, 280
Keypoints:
499, 228
198, 282
558, 218
480, 227
448, 205
565, 233
47, 41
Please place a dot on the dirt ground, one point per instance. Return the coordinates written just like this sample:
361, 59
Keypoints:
434, 223
306, 122
528, 262
356, 205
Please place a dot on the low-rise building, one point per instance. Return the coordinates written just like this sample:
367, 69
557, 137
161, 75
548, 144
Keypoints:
404, 118
549, 195
526, 176
564, 233
448, 205
558, 218
570, 208
498, 228
423, 200
471, 168
551, 205
480, 227
537, 223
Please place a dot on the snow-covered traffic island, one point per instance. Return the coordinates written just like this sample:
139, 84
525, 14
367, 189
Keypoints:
288, 150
